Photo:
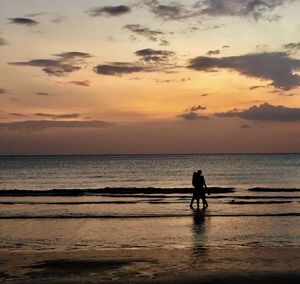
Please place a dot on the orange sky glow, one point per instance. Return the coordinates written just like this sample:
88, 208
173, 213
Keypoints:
149, 76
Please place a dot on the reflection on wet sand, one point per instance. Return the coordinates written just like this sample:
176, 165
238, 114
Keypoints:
199, 228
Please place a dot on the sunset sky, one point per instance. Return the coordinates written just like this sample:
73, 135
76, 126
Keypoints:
152, 76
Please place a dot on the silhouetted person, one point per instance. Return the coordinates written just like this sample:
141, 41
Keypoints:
199, 189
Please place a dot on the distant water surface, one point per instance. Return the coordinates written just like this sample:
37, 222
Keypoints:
68, 172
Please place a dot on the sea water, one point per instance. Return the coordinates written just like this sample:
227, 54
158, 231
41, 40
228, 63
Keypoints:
234, 219
82, 172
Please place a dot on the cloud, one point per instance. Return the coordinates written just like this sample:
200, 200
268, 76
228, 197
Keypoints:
275, 66
226, 46
265, 112
58, 19
65, 62
245, 126
118, 68
175, 80
256, 87
192, 116
23, 21
42, 94
152, 35
195, 108
58, 116
212, 52
32, 15
85, 83
155, 56
109, 11
2, 91
204, 95
292, 47
17, 114
258, 9
150, 60
44, 124
3, 41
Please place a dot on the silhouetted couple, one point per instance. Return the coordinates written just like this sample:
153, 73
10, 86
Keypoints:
199, 189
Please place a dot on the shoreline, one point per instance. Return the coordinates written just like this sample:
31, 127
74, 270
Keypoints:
133, 190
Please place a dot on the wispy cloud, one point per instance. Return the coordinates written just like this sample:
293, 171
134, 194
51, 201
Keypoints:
42, 94
63, 64
84, 83
265, 112
261, 9
192, 116
195, 108
58, 116
213, 52
155, 56
292, 45
44, 124
150, 60
150, 34
277, 67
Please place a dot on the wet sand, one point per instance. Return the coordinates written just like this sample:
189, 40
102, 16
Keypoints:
244, 265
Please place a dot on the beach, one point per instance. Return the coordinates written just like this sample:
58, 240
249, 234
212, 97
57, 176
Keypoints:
75, 220
149, 235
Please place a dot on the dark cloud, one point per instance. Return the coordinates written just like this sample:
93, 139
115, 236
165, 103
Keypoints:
258, 9
3, 41
213, 52
73, 55
265, 112
44, 124
118, 68
64, 63
292, 47
245, 126
256, 87
242, 8
23, 21
204, 95
85, 83
42, 94
226, 46
109, 11
17, 114
2, 91
195, 108
192, 116
150, 60
152, 35
155, 56
58, 116
275, 66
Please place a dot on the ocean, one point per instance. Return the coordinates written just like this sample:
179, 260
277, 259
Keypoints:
240, 171
74, 210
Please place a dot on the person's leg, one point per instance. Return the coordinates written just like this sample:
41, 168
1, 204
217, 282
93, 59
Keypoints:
205, 205
204, 202
192, 201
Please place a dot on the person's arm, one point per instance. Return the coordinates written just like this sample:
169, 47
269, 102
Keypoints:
208, 191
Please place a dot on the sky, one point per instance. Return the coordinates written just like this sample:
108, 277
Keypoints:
149, 76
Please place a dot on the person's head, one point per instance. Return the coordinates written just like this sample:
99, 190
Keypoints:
199, 172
